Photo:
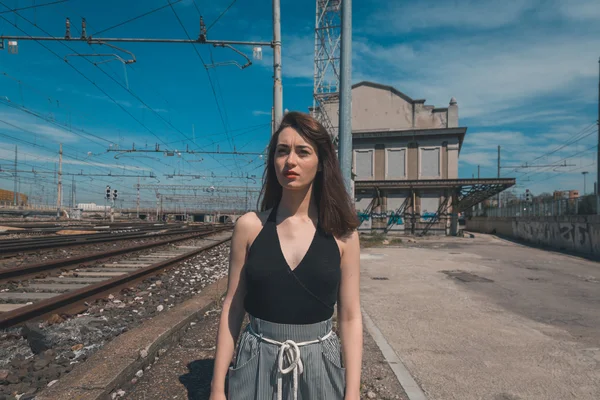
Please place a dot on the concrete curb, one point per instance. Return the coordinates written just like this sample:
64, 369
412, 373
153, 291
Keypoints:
113, 366
412, 389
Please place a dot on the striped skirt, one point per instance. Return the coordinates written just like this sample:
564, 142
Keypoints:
287, 362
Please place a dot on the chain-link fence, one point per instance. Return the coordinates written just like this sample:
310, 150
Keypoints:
585, 205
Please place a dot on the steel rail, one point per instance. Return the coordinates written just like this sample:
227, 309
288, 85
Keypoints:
71, 298
11, 273
79, 240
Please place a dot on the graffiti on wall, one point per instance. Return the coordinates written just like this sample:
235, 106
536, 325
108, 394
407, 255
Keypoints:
392, 218
562, 235
427, 216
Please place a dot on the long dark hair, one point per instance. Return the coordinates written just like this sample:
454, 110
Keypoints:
336, 211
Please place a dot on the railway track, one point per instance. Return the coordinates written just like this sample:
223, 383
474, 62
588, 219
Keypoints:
61, 285
11, 246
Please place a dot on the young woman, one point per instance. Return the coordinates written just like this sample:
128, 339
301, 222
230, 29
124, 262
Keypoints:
289, 266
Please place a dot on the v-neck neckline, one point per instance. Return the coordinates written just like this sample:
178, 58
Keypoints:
289, 268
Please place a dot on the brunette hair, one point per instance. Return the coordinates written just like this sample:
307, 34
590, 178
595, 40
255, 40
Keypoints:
337, 215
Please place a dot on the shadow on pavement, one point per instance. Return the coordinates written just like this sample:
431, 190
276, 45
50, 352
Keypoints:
197, 380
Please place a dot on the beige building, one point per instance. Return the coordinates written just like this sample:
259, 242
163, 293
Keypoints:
405, 153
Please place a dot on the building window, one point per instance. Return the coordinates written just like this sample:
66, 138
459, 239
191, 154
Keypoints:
430, 162
395, 166
363, 164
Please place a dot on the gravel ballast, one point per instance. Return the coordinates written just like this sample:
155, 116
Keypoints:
34, 357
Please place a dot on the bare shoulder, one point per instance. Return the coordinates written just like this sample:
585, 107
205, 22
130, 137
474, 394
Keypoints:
348, 241
250, 224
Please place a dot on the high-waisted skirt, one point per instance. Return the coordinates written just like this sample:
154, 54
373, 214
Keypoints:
267, 360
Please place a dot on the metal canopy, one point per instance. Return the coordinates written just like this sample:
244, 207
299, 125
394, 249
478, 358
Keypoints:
469, 191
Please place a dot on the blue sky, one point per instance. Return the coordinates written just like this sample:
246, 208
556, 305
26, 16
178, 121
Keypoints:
525, 74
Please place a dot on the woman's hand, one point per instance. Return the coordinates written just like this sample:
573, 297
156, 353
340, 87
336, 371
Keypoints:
217, 396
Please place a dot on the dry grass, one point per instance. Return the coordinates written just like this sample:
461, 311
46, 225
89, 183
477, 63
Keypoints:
378, 240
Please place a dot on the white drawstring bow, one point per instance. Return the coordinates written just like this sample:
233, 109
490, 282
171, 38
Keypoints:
291, 351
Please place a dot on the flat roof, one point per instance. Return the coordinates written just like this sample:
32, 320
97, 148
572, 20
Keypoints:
409, 133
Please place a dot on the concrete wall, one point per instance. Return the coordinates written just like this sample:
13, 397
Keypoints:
381, 107
427, 202
580, 234
448, 160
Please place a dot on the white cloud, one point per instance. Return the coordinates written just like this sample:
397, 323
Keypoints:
158, 110
20, 122
297, 56
580, 9
485, 159
479, 14
524, 115
34, 156
486, 74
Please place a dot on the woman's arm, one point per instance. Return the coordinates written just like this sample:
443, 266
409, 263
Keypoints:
232, 313
349, 315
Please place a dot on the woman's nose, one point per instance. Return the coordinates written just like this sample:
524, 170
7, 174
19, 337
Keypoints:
291, 158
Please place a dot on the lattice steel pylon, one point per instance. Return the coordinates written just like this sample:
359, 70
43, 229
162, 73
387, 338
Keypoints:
328, 34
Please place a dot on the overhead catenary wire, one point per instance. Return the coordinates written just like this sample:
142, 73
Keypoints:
575, 138
134, 18
170, 4
580, 136
34, 6
112, 99
220, 15
98, 87
208, 75
85, 77
570, 156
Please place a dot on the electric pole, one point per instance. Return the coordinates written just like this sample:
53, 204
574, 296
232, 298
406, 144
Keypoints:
15, 191
73, 192
277, 84
326, 86
345, 117
498, 174
138, 199
479, 177
275, 43
59, 198
584, 173
598, 148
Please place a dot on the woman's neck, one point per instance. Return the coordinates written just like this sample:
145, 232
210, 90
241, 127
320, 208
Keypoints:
298, 203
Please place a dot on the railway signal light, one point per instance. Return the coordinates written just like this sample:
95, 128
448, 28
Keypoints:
114, 194
108, 192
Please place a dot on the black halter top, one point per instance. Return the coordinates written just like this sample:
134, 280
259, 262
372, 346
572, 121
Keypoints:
304, 295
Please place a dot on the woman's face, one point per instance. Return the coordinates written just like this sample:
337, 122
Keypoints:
296, 160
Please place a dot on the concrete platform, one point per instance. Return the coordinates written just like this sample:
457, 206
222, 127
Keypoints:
26, 296
81, 280
98, 274
57, 286
124, 269
483, 318
126, 265
10, 307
